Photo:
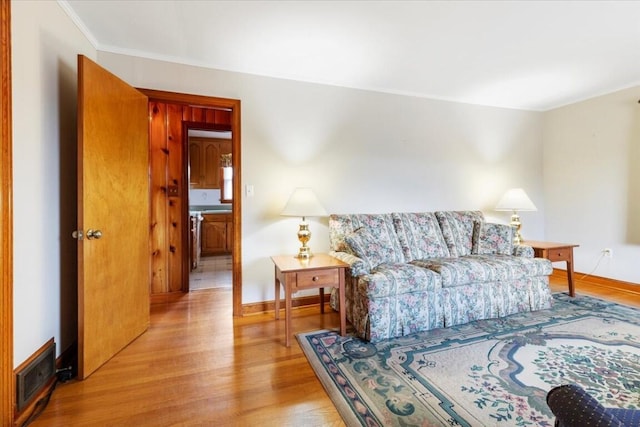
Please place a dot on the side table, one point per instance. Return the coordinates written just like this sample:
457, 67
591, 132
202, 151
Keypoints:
317, 272
556, 252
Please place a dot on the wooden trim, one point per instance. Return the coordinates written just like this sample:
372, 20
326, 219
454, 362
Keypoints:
265, 306
234, 106
604, 282
167, 297
7, 379
236, 255
190, 99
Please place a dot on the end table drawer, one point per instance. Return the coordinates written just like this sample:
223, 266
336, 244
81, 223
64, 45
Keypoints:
561, 254
317, 278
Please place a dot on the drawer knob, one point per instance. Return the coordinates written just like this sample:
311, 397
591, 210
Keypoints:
315, 278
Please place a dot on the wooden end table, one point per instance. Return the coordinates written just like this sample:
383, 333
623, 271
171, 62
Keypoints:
317, 272
556, 252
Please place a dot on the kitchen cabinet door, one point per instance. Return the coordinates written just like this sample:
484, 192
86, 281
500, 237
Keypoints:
210, 164
215, 234
196, 159
204, 161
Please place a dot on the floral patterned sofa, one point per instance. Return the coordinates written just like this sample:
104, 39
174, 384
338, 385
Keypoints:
412, 272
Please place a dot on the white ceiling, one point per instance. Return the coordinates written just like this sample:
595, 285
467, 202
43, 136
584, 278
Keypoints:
533, 55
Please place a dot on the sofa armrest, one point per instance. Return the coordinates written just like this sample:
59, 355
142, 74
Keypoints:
357, 266
524, 251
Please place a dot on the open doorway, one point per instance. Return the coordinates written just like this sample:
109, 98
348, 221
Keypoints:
210, 177
171, 115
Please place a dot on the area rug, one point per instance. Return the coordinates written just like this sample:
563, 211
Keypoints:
487, 373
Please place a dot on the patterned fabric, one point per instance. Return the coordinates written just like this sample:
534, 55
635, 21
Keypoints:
372, 249
628, 417
380, 226
457, 229
412, 272
394, 279
489, 238
402, 314
419, 235
478, 301
485, 268
357, 266
342, 224
574, 407
399, 299
524, 251
494, 372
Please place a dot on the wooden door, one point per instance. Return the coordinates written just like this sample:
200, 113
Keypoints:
113, 197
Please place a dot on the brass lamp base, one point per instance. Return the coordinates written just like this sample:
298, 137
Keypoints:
304, 235
304, 253
516, 224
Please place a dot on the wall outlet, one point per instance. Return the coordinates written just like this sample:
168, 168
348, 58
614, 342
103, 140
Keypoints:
607, 252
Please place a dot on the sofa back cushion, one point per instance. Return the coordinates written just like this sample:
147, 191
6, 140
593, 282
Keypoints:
373, 249
490, 239
419, 235
369, 236
457, 229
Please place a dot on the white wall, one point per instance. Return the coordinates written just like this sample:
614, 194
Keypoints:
360, 151
592, 182
45, 44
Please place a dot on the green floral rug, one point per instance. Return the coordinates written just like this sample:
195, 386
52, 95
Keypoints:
487, 373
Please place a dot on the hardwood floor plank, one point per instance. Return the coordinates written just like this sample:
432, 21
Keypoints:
197, 365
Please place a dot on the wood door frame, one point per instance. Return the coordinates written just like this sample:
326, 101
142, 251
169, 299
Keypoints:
234, 106
7, 389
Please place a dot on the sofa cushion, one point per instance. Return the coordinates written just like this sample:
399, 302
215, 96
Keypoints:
490, 238
485, 268
419, 235
457, 229
398, 278
340, 225
373, 249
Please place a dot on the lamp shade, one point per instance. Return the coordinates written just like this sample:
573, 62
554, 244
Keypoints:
303, 202
515, 199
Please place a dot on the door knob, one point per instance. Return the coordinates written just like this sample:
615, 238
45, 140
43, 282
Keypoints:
94, 234
77, 234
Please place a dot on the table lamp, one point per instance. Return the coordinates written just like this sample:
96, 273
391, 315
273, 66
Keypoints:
515, 200
303, 203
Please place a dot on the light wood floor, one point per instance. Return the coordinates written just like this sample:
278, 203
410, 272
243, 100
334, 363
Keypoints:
198, 366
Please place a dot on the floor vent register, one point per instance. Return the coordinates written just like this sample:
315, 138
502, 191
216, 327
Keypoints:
35, 374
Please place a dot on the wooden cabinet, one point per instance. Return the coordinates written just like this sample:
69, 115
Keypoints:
204, 161
217, 234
